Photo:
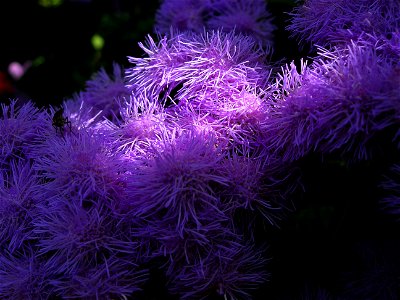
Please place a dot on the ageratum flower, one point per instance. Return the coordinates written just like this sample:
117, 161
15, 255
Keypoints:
24, 275
21, 124
74, 238
227, 269
142, 127
19, 196
249, 188
333, 22
104, 91
81, 165
111, 279
248, 17
391, 185
340, 102
182, 15
178, 182
188, 65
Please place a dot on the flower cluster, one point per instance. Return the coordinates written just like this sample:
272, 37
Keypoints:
178, 161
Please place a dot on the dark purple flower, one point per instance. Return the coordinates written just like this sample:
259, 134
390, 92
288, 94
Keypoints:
21, 124
24, 275
248, 17
178, 181
340, 102
333, 22
110, 279
391, 185
182, 15
104, 91
81, 165
226, 269
20, 193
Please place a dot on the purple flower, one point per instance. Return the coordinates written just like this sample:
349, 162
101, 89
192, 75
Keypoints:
246, 188
188, 65
81, 165
336, 103
248, 17
20, 193
182, 15
113, 278
104, 91
391, 185
226, 269
178, 183
24, 275
21, 124
332, 22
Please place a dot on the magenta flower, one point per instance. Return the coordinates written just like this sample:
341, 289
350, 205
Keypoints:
332, 22
20, 193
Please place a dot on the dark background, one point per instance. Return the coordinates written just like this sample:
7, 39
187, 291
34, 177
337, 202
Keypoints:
56, 39
338, 230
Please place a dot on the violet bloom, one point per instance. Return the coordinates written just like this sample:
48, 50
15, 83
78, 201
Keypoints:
24, 275
178, 183
248, 17
332, 22
391, 185
20, 193
227, 269
21, 125
249, 188
336, 103
81, 165
141, 128
112, 279
104, 91
182, 15
187, 65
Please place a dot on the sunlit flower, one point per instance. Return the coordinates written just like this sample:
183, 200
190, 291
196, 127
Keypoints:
187, 65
